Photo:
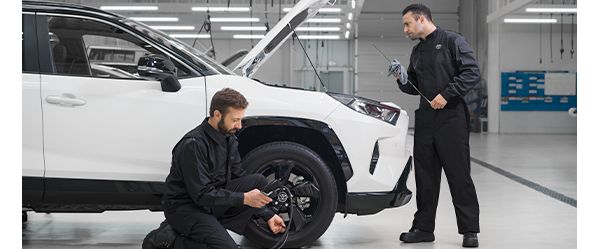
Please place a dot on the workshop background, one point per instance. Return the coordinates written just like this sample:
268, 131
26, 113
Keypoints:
523, 114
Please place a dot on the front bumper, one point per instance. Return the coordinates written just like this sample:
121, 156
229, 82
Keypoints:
366, 203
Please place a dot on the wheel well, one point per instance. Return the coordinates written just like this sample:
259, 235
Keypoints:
252, 137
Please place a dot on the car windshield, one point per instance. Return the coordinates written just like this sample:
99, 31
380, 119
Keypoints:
189, 52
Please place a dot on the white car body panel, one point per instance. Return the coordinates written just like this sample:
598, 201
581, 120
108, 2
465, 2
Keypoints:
125, 131
274, 101
33, 141
358, 134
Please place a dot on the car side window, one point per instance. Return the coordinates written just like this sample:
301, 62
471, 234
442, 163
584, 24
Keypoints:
91, 48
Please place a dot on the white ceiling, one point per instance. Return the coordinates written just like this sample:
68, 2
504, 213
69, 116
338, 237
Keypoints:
182, 10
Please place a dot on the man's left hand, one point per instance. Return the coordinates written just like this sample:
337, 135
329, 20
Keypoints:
438, 102
276, 224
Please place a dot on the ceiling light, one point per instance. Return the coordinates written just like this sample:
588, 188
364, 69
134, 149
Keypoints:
243, 28
347, 34
173, 27
318, 29
129, 8
190, 35
156, 19
222, 9
353, 4
319, 37
230, 19
348, 25
349, 16
322, 10
325, 20
552, 10
528, 20
248, 36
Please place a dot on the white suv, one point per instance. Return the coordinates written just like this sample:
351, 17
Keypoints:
96, 141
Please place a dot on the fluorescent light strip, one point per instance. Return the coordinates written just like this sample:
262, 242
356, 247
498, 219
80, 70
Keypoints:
243, 28
528, 20
156, 19
347, 34
348, 26
173, 27
552, 10
248, 36
353, 4
318, 29
191, 36
129, 8
324, 20
319, 37
222, 9
322, 10
234, 19
350, 16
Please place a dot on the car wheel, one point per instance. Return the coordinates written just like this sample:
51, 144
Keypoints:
311, 184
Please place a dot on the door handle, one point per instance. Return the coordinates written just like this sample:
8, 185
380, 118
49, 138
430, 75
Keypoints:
66, 99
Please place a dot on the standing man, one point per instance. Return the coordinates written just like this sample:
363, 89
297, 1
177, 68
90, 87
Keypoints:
207, 190
443, 68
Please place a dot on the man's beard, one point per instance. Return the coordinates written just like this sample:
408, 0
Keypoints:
223, 129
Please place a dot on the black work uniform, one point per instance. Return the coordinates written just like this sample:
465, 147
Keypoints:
205, 190
443, 63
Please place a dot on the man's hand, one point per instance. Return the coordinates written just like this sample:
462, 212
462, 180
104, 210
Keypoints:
276, 224
438, 102
256, 199
399, 72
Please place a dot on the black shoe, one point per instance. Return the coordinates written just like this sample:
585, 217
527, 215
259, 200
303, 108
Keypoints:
470, 240
415, 235
161, 238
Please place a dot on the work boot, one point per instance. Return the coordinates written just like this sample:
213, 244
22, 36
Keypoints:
161, 238
470, 240
415, 235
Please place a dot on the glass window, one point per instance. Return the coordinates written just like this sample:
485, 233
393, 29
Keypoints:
90, 48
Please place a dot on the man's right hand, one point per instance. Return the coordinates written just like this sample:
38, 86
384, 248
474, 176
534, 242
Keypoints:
256, 199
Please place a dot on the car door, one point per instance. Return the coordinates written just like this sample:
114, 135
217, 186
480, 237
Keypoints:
32, 156
100, 125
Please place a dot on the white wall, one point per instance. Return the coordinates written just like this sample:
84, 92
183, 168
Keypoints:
520, 50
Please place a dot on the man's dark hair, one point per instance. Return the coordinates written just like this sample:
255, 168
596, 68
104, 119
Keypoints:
226, 98
417, 10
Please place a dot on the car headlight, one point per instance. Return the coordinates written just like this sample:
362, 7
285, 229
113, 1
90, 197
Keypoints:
369, 107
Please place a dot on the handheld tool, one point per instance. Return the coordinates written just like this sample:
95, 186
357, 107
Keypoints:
389, 61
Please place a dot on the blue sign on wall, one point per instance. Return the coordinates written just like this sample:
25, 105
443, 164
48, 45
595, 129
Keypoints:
525, 91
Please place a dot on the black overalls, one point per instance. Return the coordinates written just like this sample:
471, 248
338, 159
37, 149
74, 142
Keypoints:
443, 63
204, 190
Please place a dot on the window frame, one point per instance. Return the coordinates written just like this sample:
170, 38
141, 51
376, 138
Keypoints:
45, 48
29, 49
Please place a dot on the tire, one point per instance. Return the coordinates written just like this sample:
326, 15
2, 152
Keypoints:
24, 216
307, 170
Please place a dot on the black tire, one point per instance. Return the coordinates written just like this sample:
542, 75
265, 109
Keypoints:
308, 170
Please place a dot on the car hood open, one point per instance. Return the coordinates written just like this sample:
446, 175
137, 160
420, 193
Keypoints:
301, 12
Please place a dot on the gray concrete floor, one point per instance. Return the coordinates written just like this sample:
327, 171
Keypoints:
512, 215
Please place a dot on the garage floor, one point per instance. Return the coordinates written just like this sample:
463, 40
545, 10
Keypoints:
527, 185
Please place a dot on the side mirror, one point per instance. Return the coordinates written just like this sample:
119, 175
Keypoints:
160, 68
